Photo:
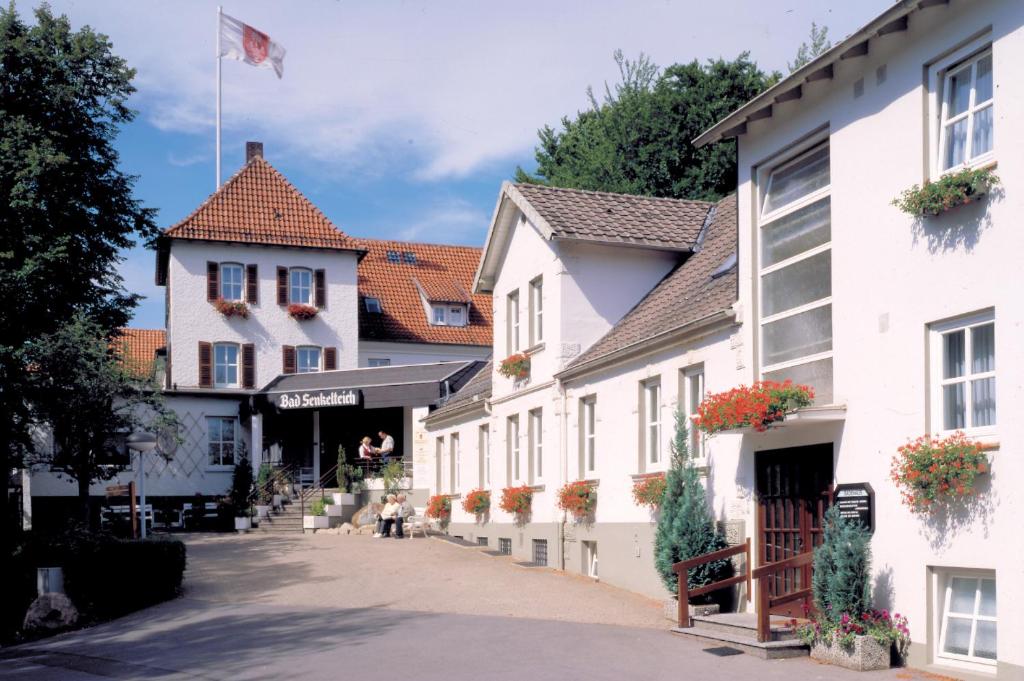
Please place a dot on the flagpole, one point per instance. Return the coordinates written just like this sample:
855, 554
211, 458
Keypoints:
219, 12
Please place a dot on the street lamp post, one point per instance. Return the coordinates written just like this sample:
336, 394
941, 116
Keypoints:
142, 442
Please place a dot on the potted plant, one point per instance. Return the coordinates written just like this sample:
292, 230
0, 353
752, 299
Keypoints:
517, 501
349, 480
931, 472
946, 193
516, 366
578, 498
241, 489
758, 406
439, 507
332, 509
844, 629
477, 502
317, 519
302, 312
649, 490
231, 308
264, 496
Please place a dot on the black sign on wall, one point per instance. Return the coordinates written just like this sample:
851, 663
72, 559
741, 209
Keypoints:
856, 501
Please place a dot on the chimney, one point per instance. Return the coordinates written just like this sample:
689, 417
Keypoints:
252, 150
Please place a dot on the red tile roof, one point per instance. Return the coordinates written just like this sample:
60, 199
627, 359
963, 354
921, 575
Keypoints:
259, 206
441, 288
137, 348
403, 319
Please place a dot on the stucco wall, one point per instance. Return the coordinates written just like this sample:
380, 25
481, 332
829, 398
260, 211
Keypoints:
419, 353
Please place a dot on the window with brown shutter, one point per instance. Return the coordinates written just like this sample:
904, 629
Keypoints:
320, 295
288, 359
330, 359
282, 285
205, 365
212, 281
252, 289
248, 365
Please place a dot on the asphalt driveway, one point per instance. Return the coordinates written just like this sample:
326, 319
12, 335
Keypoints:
351, 607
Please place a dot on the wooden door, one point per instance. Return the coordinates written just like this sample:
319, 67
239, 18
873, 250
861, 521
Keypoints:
794, 488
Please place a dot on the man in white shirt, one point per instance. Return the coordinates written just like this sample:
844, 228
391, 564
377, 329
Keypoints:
387, 446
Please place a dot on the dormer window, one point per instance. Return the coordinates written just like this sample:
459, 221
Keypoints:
231, 276
372, 305
439, 315
456, 316
300, 289
409, 258
448, 315
394, 258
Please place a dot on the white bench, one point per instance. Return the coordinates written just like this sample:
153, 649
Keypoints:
417, 521
124, 511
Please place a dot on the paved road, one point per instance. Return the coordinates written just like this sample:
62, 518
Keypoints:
328, 607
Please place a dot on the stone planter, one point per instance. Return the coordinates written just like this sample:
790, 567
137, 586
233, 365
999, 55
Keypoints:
343, 498
671, 609
333, 510
865, 655
315, 522
243, 524
262, 510
277, 501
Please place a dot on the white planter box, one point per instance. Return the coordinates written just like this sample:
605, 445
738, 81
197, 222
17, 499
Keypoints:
277, 501
243, 524
315, 522
866, 654
333, 510
343, 499
262, 510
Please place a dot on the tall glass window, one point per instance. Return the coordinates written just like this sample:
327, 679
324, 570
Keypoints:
231, 281
225, 365
966, 375
307, 359
967, 106
301, 286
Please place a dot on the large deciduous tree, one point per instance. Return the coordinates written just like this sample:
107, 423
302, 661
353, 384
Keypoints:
66, 209
638, 138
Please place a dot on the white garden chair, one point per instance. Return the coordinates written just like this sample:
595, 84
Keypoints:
417, 521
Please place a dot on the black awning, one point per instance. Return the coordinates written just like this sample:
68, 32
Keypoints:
412, 385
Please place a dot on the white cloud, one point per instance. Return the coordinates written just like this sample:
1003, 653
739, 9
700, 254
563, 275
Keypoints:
435, 89
453, 217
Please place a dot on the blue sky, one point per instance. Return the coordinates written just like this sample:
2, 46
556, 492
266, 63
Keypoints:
400, 119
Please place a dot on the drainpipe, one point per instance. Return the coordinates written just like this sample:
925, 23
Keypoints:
563, 453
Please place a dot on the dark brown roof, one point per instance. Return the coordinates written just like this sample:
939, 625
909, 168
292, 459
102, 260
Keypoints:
259, 206
476, 389
617, 218
403, 318
137, 349
687, 294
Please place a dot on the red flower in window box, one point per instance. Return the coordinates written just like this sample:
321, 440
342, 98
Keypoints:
757, 406
517, 500
302, 312
439, 507
578, 498
477, 502
515, 366
932, 471
231, 308
649, 490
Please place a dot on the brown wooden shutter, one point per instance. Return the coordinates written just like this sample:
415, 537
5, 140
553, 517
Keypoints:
320, 292
252, 288
205, 365
212, 281
248, 365
282, 285
330, 359
288, 359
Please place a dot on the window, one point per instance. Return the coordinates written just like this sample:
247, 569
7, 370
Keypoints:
964, 373
795, 261
651, 418
512, 442
301, 286
691, 392
536, 445
438, 463
540, 551
588, 441
969, 619
231, 277
378, 362
966, 116
481, 541
220, 438
454, 460
439, 317
512, 321
590, 558
394, 258
373, 305
536, 311
307, 360
408, 257
225, 365
456, 316
484, 450
505, 546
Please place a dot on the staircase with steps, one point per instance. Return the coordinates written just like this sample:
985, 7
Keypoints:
288, 520
739, 630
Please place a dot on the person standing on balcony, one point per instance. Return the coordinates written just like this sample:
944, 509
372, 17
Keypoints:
387, 446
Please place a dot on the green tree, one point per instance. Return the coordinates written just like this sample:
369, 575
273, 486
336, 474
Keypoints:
67, 208
88, 400
819, 44
841, 579
241, 484
686, 528
637, 139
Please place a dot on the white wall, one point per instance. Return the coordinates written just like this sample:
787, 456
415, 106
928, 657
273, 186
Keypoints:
192, 319
419, 353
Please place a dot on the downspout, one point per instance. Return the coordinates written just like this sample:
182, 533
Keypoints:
563, 451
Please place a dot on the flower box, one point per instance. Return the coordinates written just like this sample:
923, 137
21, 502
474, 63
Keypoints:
477, 502
517, 500
243, 524
231, 308
946, 193
302, 312
315, 522
649, 490
333, 510
578, 498
515, 366
262, 510
344, 499
932, 472
865, 654
866, 643
758, 406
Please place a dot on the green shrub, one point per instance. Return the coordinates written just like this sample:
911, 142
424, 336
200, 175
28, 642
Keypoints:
241, 488
948, 192
263, 483
318, 507
841, 579
328, 501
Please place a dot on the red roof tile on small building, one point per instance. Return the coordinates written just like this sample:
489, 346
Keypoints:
137, 349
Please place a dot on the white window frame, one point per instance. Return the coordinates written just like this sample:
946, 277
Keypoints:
227, 364
455, 459
765, 178
536, 311
653, 454
536, 429
221, 463
297, 288
234, 267
692, 390
483, 444
438, 315
378, 362
304, 351
938, 80
512, 321
512, 444
588, 434
946, 582
456, 315
936, 334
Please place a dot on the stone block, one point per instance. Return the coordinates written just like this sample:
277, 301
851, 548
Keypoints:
50, 612
866, 654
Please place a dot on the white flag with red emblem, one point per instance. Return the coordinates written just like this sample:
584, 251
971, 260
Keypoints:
243, 42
